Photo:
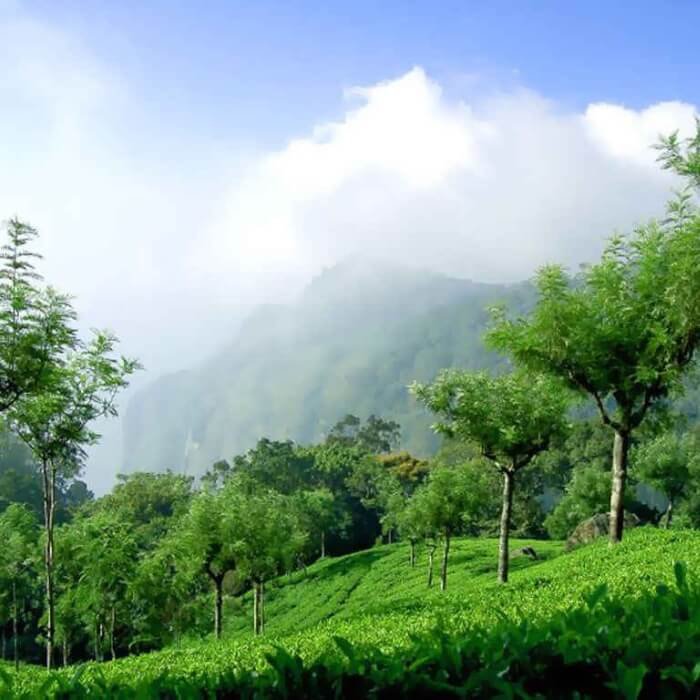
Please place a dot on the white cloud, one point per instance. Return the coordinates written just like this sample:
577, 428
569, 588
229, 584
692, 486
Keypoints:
490, 189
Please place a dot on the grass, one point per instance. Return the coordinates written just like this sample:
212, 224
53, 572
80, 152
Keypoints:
379, 604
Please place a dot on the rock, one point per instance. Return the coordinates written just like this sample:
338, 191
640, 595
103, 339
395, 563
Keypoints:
597, 526
524, 552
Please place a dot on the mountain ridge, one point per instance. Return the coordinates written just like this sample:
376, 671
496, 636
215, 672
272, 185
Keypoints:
352, 341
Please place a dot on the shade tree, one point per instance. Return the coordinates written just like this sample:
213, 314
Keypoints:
625, 331
511, 418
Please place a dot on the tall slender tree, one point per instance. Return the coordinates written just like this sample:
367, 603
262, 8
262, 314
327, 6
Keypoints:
56, 424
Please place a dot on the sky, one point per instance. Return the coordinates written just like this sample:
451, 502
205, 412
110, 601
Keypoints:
185, 161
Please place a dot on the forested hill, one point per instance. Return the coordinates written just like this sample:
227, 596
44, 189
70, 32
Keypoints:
358, 335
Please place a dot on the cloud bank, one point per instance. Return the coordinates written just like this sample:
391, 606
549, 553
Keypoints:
490, 189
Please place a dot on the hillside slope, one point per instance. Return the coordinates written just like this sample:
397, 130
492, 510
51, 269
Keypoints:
359, 334
380, 605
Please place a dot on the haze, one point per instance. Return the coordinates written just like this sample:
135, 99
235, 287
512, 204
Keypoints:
186, 164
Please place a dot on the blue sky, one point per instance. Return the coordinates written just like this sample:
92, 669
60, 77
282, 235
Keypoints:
224, 68
185, 161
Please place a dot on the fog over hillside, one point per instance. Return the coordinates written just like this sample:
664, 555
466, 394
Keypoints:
170, 224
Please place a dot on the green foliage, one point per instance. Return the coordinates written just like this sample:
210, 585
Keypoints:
625, 331
376, 436
671, 464
601, 623
511, 418
682, 156
452, 500
36, 322
587, 494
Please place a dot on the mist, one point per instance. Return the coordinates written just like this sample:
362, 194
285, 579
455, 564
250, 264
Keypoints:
171, 241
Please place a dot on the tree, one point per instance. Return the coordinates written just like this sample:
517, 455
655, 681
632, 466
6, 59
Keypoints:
208, 534
626, 331
409, 523
167, 593
449, 502
668, 464
415, 523
682, 155
335, 467
512, 418
376, 436
56, 425
319, 513
148, 503
35, 323
267, 538
282, 466
18, 534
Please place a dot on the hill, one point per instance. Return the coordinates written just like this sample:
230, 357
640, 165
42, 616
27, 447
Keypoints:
373, 600
357, 336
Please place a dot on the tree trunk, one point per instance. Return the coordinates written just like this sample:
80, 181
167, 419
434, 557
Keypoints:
96, 649
256, 608
669, 514
412, 553
508, 481
14, 624
621, 447
431, 553
388, 536
66, 651
443, 567
112, 624
323, 544
49, 483
4, 643
262, 607
218, 605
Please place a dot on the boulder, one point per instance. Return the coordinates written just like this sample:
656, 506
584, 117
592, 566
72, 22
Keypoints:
597, 526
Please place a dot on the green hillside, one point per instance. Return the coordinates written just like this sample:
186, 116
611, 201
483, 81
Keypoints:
378, 604
360, 333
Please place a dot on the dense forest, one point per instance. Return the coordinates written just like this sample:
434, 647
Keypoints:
572, 420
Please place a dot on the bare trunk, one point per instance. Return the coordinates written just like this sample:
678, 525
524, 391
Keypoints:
443, 567
3, 645
218, 605
388, 536
508, 481
431, 554
66, 652
96, 649
669, 514
412, 553
323, 544
14, 624
256, 608
112, 624
262, 607
49, 482
619, 478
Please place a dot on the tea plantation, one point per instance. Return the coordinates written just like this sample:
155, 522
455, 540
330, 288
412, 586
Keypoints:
597, 622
